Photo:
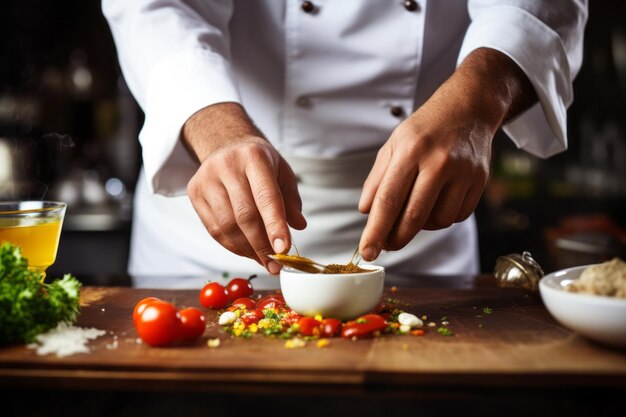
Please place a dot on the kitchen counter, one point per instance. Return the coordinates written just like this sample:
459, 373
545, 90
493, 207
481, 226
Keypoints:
505, 344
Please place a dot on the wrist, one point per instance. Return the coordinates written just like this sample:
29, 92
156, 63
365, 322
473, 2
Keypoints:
215, 127
496, 87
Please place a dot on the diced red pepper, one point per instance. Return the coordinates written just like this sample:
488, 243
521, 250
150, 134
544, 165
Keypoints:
364, 326
331, 327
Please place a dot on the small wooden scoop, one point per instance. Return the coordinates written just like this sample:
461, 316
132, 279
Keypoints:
308, 265
298, 262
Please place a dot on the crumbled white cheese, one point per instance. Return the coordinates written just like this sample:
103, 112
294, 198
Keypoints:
65, 340
410, 320
405, 328
226, 318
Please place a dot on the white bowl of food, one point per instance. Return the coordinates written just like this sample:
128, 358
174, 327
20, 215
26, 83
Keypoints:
576, 302
343, 296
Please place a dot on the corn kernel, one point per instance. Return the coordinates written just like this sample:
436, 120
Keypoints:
318, 317
238, 332
295, 343
253, 328
322, 343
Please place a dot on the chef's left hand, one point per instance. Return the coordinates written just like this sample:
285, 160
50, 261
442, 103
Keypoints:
432, 171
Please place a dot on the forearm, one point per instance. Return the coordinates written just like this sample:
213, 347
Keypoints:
215, 126
494, 86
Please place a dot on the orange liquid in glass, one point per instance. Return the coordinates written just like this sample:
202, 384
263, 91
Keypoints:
39, 240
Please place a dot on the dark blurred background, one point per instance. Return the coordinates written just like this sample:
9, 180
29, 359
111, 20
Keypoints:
68, 131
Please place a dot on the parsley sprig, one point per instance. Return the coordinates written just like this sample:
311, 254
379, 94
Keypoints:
28, 306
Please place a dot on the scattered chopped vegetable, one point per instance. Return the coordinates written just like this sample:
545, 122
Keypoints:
444, 331
487, 310
269, 316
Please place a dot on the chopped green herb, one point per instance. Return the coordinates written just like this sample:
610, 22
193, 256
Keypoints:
225, 274
270, 314
444, 331
444, 318
487, 310
361, 321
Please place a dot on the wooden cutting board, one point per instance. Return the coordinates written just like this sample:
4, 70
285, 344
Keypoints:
518, 343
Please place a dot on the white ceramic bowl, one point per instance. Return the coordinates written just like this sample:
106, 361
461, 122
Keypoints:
599, 318
343, 296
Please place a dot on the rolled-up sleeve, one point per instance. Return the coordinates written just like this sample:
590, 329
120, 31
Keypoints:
174, 55
545, 39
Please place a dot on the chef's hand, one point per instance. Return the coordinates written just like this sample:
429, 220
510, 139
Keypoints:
433, 169
244, 192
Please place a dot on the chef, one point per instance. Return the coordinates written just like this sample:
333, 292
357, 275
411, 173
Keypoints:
332, 124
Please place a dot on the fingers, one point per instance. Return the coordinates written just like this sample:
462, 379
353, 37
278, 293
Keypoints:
385, 208
291, 197
370, 187
417, 210
268, 200
447, 207
212, 225
433, 206
471, 201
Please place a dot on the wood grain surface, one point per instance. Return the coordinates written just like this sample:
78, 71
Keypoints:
518, 344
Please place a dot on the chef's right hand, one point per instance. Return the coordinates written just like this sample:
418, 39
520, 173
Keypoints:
244, 192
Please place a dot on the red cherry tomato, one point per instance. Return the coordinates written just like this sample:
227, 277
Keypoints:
240, 287
309, 326
214, 295
271, 301
192, 323
243, 303
364, 326
159, 323
141, 306
251, 317
331, 327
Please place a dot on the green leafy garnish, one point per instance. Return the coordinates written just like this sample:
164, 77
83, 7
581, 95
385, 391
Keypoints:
28, 306
444, 331
268, 313
487, 310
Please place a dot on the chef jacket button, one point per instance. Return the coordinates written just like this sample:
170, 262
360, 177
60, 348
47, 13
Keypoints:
308, 7
304, 102
411, 5
396, 111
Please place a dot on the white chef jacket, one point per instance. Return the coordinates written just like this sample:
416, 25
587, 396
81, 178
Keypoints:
325, 82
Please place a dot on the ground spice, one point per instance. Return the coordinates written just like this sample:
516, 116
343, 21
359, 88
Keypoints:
343, 269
